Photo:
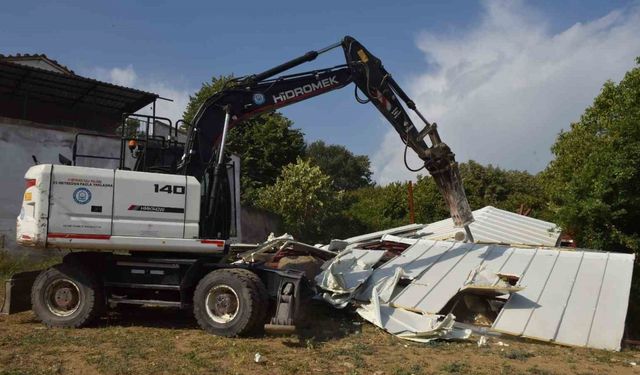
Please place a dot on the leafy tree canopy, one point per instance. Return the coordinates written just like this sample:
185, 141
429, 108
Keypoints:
348, 171
302, 195
383, 207
504, 189
379, 207
594, 181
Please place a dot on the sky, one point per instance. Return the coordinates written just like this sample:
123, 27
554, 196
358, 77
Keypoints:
501, 78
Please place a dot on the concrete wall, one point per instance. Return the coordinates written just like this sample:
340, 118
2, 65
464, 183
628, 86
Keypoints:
18, 141
258, 224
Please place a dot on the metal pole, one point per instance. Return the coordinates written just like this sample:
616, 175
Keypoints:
412, 214
469, 235
227, 119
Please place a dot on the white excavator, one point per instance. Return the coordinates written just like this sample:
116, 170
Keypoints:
156, 233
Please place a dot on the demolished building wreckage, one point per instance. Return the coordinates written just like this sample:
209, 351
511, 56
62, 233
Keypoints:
418, 283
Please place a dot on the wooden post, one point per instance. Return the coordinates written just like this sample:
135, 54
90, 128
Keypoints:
412, 215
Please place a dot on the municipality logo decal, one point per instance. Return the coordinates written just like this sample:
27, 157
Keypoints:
258, 98
82, 195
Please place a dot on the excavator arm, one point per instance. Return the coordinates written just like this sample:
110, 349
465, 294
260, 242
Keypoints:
247, 97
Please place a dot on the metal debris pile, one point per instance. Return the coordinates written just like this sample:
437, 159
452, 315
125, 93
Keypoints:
422, 289
418, 283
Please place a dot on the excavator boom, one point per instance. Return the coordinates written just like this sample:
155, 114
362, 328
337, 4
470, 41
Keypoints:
247, 97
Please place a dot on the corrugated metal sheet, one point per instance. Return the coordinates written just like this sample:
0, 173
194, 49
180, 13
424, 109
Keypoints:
498, 226
570, 297
69, 89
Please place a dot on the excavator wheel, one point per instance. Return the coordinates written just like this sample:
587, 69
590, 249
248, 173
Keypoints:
230, 302
67, 296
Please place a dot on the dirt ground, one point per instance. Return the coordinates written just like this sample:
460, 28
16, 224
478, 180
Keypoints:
166, 341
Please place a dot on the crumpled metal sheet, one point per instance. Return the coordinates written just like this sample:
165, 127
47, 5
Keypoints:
412, 326
407, 324
559, 295
343, 274
353, 242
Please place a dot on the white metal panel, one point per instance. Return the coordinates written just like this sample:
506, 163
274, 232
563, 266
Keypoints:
497, 257
149, 204
80, 200
608, 322
498, 226
515, 315
192, 209
518, 261
431, 292
568, 296
413, 261
581, 306
544, 320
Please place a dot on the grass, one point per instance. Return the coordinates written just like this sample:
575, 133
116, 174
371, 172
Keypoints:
521, 355
535, 370
165, 341
455, 367
12, 263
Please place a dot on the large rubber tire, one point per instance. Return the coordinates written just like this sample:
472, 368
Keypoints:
252, 302
85, 287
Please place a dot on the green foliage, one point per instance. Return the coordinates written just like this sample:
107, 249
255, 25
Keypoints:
504, 189
594, 181
429, 205
302, 195
383, 207
265, 143
379, 207
347, 171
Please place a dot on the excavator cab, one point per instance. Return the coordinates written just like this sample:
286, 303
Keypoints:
154, 143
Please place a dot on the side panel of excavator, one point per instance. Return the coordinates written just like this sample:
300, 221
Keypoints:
105, 209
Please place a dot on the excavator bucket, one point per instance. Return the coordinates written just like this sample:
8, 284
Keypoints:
17, 292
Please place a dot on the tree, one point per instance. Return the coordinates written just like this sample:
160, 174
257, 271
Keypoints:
382, 207
504, 189
594, 180
348, 171
429, 205
379, 207
302, 195
265, 143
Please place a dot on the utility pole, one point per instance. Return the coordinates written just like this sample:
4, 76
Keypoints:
412, 214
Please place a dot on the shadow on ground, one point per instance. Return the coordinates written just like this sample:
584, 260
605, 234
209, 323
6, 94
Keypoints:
322, 322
